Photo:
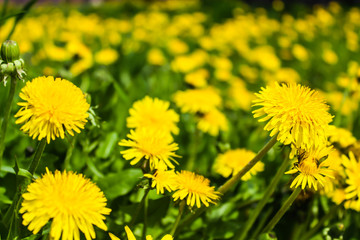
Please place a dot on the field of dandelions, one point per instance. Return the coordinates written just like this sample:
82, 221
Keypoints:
179, 120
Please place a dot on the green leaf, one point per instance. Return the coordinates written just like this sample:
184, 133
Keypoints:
121, 183
106, 147
3, 198
21, 171
32, 237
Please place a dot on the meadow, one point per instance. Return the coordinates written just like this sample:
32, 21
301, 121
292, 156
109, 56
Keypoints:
179, 120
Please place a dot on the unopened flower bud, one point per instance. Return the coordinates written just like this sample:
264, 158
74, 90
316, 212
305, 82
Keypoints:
11, 65
10, 51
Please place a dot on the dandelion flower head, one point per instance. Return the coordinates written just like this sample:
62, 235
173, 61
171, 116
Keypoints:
297, 113
309, 170
352, 169
198, 78
197, 100
232, 161
195, 188
163, 179
106, 56
154, 145
70, 200
338, 196
240, 96
153, 113
51, 107
341, 136
212, 122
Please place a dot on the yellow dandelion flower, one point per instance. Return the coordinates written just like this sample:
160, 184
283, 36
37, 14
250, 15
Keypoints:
341, 136
338, 196
51, 107
249, 73
329, 56
197, 100
309, 170
334, 161
177, 46
154, 145
297, 113
212, 122
232, 161
156, 57
106, 56
240, 96
300, 52
287, 75
130, 235
163, 179
352, 168
352, 204
70, 200
195, 188
197, 78
153, 113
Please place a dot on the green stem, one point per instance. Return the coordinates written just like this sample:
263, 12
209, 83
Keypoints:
326, 217
269, 191
231, 182
193, 150
139, 207
13, 212
261, 223
21, 15
4, 8
7, 111
22, 186
177, 221
69, 154
37, 157
146, 205
11, 216
282, 210
236, 178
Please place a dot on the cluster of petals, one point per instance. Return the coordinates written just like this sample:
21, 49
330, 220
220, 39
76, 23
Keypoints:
150, 139
311, 169
71, 201
51, 107
296, 113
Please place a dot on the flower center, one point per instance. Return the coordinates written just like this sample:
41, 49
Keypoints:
308, 166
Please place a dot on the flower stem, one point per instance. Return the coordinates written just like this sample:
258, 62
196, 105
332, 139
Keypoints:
177, 221
37, 157
193, 150
236, 178
146, 205
69, 153
282, 210
261, 223
21, 15
3, 12
12, 215
7, 111
269, 191
326, 217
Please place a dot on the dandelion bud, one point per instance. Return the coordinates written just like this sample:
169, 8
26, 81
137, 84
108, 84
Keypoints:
11, 65
10, 51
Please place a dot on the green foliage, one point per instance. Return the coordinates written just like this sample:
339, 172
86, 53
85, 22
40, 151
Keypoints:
64, 41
